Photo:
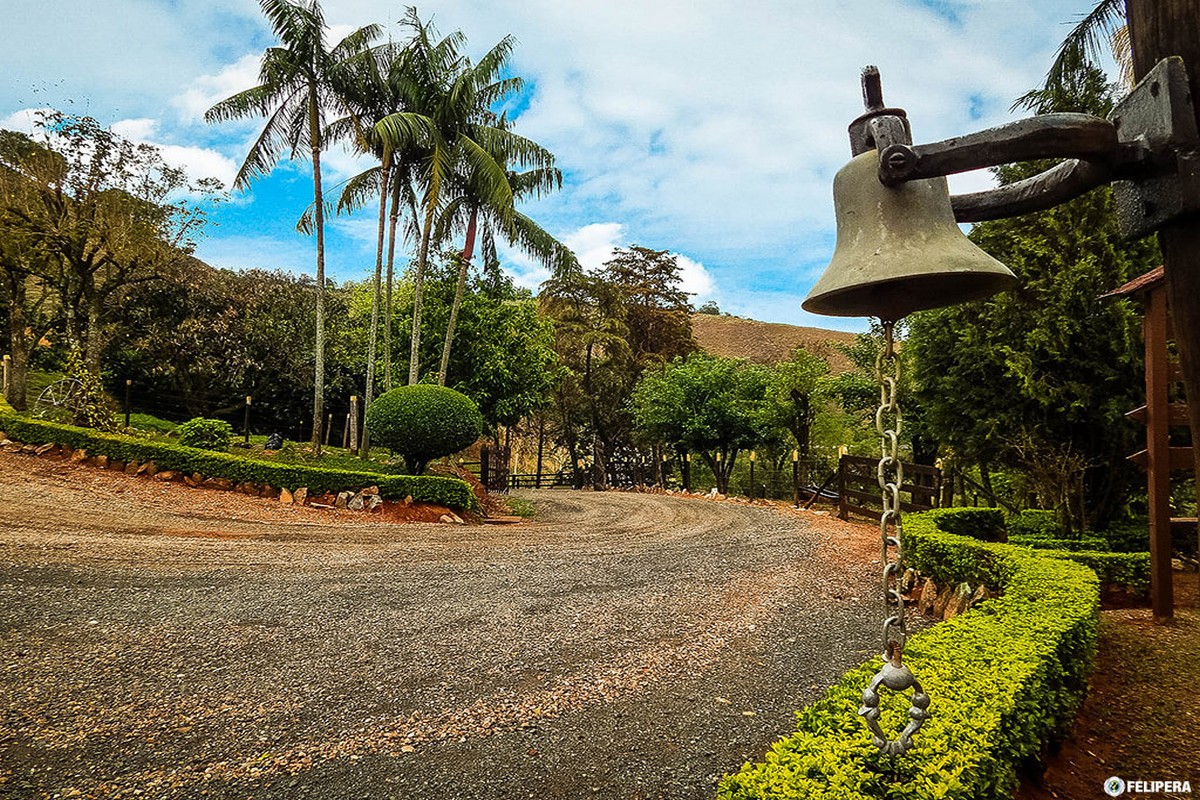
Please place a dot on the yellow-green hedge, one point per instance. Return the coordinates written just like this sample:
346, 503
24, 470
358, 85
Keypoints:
440, 490
1004, 678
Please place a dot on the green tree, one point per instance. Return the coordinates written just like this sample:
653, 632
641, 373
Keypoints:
298, 82
609, 326
797, 392
1038, 379
98, 211
705, 404
448, 100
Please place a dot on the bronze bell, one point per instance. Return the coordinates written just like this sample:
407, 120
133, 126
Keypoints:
899, 250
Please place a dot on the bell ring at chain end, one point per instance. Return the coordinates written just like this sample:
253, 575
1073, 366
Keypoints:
897, 677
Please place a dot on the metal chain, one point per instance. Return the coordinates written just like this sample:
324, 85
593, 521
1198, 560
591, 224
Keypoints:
894, 675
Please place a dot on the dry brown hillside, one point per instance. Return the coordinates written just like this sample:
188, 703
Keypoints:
766, 342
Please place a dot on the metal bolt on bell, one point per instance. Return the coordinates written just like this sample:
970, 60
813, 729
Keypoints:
899, 250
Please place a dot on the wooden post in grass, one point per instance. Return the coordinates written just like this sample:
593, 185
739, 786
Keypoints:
128, 398
346, 433
328, 429
796, 478
753, 488
7, 367
541, 448
354, 424
246, 420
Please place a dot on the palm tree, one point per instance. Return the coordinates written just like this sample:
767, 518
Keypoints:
1080, 53
371, 95
516, 228
299, 82
448, 99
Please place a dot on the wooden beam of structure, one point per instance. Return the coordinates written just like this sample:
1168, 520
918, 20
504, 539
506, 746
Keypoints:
1177, 416
1159, 29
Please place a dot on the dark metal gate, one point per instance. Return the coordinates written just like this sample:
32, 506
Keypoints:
493, 467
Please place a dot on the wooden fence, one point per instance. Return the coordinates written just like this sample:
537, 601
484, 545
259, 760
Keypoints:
858, 487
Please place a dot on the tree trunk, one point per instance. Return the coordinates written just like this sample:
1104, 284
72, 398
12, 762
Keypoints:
94, 346
19, 342
373, 334
460, 287
314, 134
391, 260
414, 363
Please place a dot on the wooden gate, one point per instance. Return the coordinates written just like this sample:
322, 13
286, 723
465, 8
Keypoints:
493, 467
858, 487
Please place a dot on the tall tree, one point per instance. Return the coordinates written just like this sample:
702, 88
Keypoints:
706, 404
449, 100
515, 227
100, 210
1039, 378
300, 81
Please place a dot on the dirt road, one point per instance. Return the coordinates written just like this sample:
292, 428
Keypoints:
160, 641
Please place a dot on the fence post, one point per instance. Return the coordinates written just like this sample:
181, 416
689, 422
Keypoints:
753, 488
541, 447
346, 433
354, 424
796, 478
843, 512
128, 394
246, 420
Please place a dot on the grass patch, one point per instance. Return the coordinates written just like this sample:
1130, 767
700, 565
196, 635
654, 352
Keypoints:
521, 506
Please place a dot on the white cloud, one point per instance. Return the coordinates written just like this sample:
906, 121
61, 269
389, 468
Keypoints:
197, 162
24, 121
207, 90
695, 279
594, 244
707, 127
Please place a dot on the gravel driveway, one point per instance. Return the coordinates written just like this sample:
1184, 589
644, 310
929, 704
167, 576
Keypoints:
154, 643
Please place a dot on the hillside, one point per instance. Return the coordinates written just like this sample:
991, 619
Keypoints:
767, 342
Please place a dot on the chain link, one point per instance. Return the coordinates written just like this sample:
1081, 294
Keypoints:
894, 675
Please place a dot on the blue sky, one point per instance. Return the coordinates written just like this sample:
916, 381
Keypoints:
711, 128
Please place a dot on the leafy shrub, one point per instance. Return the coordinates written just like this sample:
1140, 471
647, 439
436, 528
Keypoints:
423, 423
985, 524
450, 492
205, 434
1039, 543
1005, 678
151, 423
1035, 523
1128, 536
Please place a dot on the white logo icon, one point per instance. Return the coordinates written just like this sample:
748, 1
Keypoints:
1114, 787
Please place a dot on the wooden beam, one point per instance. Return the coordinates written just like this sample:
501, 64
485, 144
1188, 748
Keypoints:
1177, 414
1158, 29
1180, 459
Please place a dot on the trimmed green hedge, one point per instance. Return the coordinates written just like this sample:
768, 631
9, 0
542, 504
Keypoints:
1035, 522
1005, 678
985, 524
1048, 543
440, 490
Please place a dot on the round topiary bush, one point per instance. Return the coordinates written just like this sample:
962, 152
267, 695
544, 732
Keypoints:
207, 434
423, 423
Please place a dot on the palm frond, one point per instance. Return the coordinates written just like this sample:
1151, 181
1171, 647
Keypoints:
1086, 41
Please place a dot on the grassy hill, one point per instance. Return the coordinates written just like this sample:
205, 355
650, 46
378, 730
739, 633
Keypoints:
767, 342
